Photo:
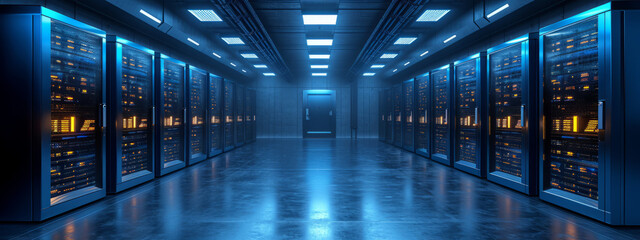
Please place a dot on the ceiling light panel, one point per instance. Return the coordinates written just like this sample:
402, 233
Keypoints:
233, 64
233, 40
249, 55
193, 41
319, 66
498, 10
319, 56
389, 55
450, 38
206, 15
405, 40
260, 66
269, 74
432, 15
368, 74
319, 74
407, 63
319, 19
319, 42
377, 66
424, 53
217, 55
150, 16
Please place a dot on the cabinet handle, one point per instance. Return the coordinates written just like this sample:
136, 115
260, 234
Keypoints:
307, 114
184, 116
475, 117
522, 115
601, 115
446, 116
153, 115
104, 115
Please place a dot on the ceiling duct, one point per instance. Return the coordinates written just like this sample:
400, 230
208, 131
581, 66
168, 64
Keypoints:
241, 16
399, 14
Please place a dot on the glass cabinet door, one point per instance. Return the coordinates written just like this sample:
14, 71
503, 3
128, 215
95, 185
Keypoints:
197, 109
172, 146
76, 79
137, 96
215, 115
571, 144
467, 113
440, 114
397, 115
423, 131
229, 115
407, 108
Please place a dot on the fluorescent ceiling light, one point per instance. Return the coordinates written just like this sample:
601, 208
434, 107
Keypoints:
450, 38
319, 56
269, 74
318, 74
215, 54
233, 64
407, 63
319, 42
193, 41
432, 15
405, 40
389, 55
260, 66
498, 10
244, 71
249, 55
319, 66
395, 70
206, 15
150, 16
377, 66
319, 19
233, 40
368, 74
424, 53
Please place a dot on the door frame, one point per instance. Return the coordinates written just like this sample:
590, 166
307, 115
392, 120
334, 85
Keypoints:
305, 107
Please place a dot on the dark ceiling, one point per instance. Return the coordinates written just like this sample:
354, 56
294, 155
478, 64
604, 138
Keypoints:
274, 30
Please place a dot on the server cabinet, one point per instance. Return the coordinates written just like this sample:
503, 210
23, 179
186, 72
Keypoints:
240, 107
589, 146
512, 73
172, 134
397, 114
408, 112
130, 116
197, 112
214, 112
388, 109
229, 115
470, 75
423, 113
441, 135
249, 120
382, 116
53, 70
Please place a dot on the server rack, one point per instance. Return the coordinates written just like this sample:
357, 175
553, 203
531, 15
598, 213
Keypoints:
197, 112
240, 107
388, 109
397, 114
382, 116
470, 75
130, 117
441, 149
171, 150
250, 115
55, 94
512, 73
589, 147
229, 115
408, 112
423, 113
216, 137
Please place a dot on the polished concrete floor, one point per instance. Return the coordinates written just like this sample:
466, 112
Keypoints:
318, 189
